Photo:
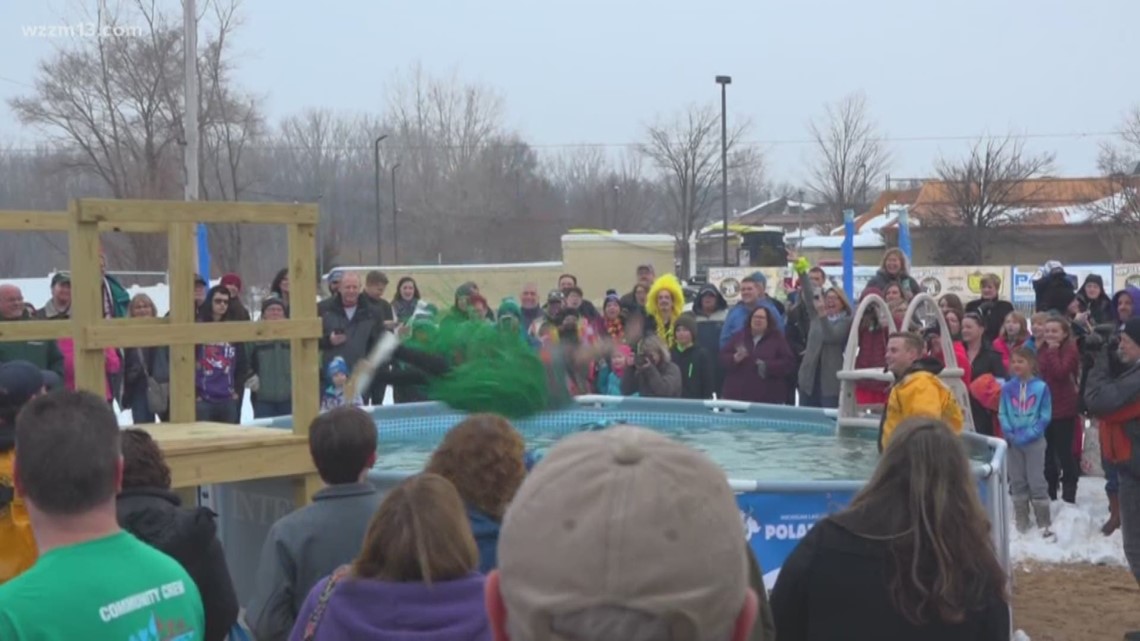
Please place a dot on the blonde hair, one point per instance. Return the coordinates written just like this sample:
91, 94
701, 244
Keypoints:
1023, 325
141, 298
840, 295
420, 533
991, 279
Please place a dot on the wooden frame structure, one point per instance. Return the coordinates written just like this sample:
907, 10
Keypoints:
198, 453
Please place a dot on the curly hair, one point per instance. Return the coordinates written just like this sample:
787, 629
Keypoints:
143, 462
483, 456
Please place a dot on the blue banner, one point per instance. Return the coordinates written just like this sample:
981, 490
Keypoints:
775, 523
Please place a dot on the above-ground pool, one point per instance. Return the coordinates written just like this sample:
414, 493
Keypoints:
788, 465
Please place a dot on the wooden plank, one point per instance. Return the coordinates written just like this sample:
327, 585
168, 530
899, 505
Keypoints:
86, 301
32, 220
304, 352
285, 458
117, 334
123, 211
205, 436
181, 245
45, 330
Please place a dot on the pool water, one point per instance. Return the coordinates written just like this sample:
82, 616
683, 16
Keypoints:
745, 452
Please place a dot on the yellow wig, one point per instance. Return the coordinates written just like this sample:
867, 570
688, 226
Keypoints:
668, 283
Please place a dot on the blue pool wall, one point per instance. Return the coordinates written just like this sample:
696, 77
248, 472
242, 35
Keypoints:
774, 514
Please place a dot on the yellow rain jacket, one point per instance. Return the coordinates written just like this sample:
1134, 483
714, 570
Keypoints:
17, 546
668, 283
920, 393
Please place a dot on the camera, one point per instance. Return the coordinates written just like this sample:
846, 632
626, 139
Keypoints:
1103, 336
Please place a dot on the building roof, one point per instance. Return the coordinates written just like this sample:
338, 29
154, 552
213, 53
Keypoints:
1042, 201
783, 211
873, 218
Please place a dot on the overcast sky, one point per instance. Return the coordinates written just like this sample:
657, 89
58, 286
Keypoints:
595, 71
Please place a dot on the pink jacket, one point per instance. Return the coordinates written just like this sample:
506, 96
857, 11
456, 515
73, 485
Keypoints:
67, 346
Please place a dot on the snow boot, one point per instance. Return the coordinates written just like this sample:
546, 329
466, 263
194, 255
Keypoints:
1113, 522
1069, 492
1021, 514
1044, 520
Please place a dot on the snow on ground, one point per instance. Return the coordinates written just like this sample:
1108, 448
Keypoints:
1020, 635
1078, 532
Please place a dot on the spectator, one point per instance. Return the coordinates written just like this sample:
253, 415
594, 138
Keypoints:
1123, 304
613, 322
20, 382
1060, 365
711, 310
1095, 300
415, 577
895, 269
1115, 400
798, 322
587, 325
640, 298
757, 360
407, 299
200, 289
375, 284
1014, 334
653, 375
666, 302
334, 278
1025, 410
238, 311
336, 393
222, 368
897, 301
568, 282
623, 508
91, 579
933, 336
154, 515
116, 299
953, 323
983, 360
59, 305
874, 330
552, 310
917, 390
829, 326
141, 364
301, 547
698, 378
910, 558
611, 371
483, 457
753, 293
1036, 330
1053, 289
645, 277
112, 365
42, 354
350, 328
990, 308
528, 302
279, 287
271, 385
948, 302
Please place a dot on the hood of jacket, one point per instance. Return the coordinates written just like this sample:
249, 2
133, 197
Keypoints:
1132, 292
667, 283
928, 364
155, 517
391, 611
721, 303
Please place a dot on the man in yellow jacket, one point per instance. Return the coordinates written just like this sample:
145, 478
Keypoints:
20, 382
917, 390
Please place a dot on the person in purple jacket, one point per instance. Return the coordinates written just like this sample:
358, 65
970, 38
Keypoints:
757, 361
415, 577
221, 368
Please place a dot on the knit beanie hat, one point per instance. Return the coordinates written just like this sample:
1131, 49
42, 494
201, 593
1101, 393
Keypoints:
510, 307
337, 366
611, 295
1132, 329
270, 302
689, 322
233, 280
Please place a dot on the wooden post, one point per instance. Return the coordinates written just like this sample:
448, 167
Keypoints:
304, 352
86, 301
180, 239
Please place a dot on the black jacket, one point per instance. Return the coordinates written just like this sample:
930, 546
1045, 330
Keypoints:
833, 587
362, 330
698, 378
189, 536
988, 361
1053, 292
993, 313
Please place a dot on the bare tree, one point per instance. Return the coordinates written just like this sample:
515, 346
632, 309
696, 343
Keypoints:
687, 152
849, 155
1117, 215
747, 182
993, 187
602, 193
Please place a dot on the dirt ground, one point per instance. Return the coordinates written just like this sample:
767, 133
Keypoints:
1075, 602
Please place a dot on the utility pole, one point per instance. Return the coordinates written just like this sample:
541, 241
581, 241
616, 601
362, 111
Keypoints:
395, 222
376, 170
724, 81
190, 125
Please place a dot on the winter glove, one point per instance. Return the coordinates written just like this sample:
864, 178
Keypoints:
762, 368
253, 383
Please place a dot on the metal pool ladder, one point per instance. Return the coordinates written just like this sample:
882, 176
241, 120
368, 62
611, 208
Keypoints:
851, 415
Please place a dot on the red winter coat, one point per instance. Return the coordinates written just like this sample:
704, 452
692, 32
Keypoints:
1060, 368
1005, 349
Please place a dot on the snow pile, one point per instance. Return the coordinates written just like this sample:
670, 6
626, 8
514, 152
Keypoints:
1020, 635
1077, 528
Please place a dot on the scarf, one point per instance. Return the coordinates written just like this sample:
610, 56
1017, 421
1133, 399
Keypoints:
616, 329
665, 332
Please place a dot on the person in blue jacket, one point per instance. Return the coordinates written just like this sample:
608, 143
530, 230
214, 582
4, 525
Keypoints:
753, 293
1025, 410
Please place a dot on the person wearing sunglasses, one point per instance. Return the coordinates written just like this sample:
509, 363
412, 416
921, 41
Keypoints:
220, 368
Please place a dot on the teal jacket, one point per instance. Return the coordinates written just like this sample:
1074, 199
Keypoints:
270, 361
42, 354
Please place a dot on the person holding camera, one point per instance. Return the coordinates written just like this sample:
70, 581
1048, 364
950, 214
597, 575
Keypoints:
653, 375
1114, 399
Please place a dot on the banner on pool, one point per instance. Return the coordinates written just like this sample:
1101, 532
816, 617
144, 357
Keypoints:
774, 523
1023, 279
965, 281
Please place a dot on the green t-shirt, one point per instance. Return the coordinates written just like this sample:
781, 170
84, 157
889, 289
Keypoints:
116, 588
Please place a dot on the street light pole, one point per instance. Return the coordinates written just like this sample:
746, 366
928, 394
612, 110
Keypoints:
376, 167
724, 81
395, 214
